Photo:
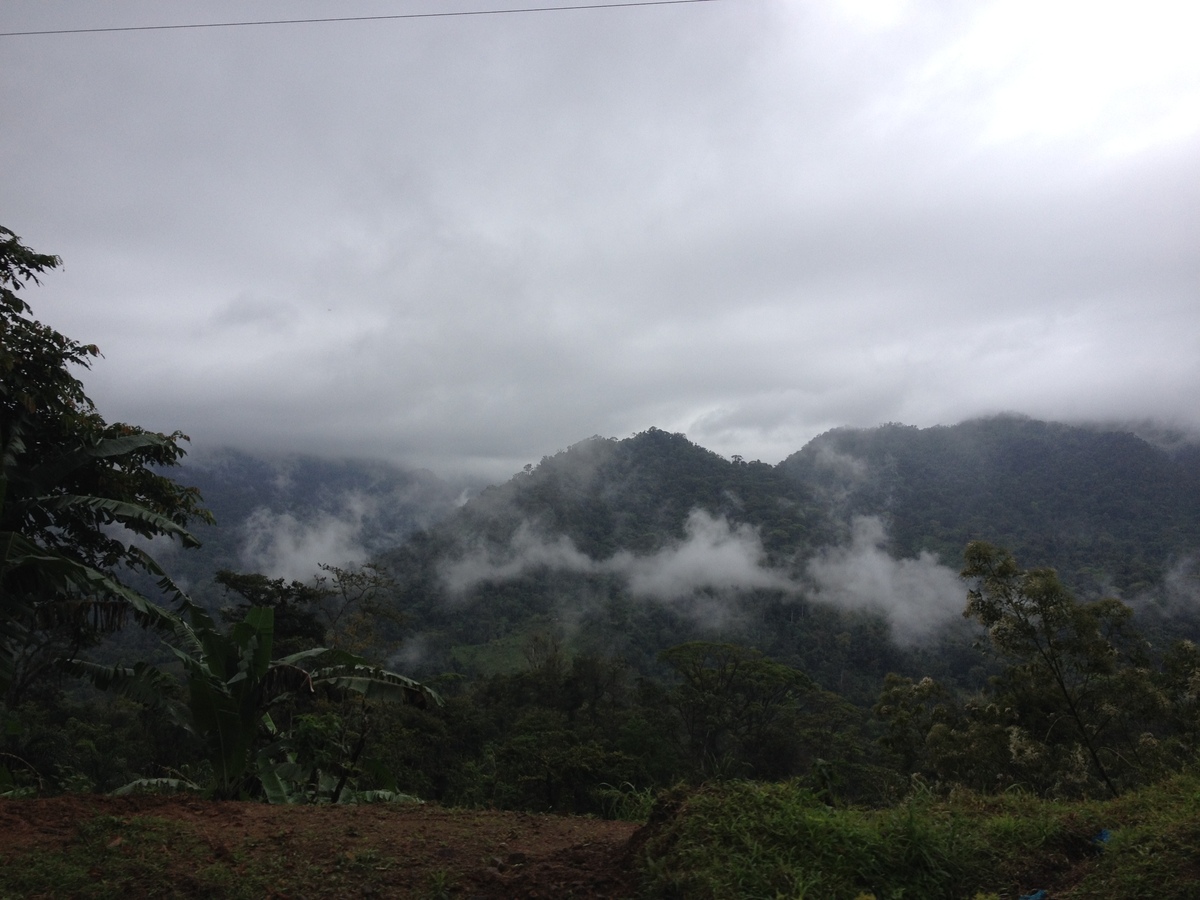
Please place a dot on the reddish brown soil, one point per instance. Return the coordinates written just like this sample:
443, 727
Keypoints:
369, 851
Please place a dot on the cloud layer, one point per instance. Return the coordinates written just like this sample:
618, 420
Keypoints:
918, 595
706, 571
462, 243
282, 546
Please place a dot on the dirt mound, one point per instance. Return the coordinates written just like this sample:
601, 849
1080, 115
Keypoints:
183, 847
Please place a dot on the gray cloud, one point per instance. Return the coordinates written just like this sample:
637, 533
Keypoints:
716, 561
713, 557
461, 242
917, 595
283, 546
525, 552
1180, 590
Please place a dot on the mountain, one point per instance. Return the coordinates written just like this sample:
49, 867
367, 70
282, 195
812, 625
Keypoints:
842, 560
608, 495
624, 548
283, 515
1110, 510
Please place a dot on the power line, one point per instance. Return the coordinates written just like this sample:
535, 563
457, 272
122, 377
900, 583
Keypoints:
426, 15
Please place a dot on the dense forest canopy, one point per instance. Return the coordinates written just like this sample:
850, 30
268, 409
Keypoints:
1107, 508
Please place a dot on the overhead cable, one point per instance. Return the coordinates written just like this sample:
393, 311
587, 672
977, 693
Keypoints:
424, 15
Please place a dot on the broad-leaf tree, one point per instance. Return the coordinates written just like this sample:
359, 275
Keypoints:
1074, 682
744, 712
74, 491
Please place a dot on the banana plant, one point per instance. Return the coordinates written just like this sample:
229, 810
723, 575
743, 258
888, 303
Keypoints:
230, 684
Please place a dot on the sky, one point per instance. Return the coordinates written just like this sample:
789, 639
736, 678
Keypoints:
468, 242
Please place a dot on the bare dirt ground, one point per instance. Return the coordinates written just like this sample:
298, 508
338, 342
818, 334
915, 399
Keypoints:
381, 851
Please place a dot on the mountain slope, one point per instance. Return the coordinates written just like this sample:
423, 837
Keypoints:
624, 548
283, 515
636, 494
1107, 508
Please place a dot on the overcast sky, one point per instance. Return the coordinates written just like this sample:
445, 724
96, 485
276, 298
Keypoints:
468, 242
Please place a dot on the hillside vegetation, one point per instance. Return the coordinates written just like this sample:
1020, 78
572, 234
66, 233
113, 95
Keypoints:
901, 662
1107, 509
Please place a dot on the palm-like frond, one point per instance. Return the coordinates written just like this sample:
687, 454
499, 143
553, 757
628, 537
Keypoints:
132, 515
378, 684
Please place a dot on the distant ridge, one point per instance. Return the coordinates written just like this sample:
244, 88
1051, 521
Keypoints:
1107, 508
623, 548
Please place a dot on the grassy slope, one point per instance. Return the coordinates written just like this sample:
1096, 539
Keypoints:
744, 840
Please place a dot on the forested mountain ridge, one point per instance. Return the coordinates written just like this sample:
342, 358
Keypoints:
627, 546
1108, 509
286, 513
636, 494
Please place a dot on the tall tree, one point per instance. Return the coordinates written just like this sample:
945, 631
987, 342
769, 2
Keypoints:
1074, 676
75, 491
742, 711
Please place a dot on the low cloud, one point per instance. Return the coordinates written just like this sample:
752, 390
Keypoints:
283, 546
843, 466
1181, 585
525, 552
411, 655
716, 560
714, 556
917, 595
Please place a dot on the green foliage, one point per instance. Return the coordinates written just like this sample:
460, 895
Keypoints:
88, 742
231, 682
737, 708
294, 608
319, 759
1151, 852
742, 840
1076, 681
1076, 708
626, 802
74, 491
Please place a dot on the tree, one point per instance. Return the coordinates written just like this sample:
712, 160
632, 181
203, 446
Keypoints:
294, 606
739, 708
910, 710
74, 492
359, 609
1075, 681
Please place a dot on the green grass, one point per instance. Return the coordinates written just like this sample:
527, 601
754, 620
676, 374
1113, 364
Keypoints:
626, 803
746, 840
